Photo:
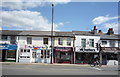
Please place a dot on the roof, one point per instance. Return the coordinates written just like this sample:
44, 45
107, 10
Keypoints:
87, 33
110, 37
64, 34
32, 33
59, 33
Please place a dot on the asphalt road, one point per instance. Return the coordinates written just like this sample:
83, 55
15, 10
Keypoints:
41, 69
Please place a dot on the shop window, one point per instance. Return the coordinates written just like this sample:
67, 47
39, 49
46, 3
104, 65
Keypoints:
48, 54
34, 54
60, 41
65, 55
69, 41
45, 40
29, 40
104, 42
28, 50
11, 54
24, 50
83, 42
112, 43
12, 40
4, 38
41, 53
91, 42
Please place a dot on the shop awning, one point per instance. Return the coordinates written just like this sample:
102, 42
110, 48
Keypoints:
63, 49
8, 47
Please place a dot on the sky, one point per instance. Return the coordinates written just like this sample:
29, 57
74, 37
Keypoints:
68, 15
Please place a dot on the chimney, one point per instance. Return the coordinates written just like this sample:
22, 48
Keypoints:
100, 31
110, 31
95, 30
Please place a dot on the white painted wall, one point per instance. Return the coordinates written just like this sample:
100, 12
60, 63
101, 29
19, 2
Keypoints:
64, 42
7, 41
80, 37
36, 41
108, 43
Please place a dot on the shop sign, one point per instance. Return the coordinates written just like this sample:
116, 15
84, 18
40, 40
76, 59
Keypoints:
86, 50
36, 47
8, 47
63, 49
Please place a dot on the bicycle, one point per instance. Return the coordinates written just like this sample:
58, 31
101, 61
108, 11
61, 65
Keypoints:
95, 63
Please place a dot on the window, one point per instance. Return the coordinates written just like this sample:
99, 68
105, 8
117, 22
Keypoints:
45, 40
12, 40
91, 41
119, 44
4, 38
29, 40
104, 42
112, 43
69, 41
60, 41
83, 42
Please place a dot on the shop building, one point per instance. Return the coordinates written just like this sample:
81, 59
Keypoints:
85, 47
63, 47
110, 43
34, 46
8, 46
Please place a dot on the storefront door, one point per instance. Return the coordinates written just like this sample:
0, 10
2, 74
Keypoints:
43, 56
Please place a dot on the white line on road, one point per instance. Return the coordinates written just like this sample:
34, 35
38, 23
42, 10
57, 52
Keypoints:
96, 68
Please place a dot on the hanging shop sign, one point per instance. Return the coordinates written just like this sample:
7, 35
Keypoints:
63, 49
8, 47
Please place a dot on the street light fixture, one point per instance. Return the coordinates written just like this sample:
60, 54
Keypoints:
52, 42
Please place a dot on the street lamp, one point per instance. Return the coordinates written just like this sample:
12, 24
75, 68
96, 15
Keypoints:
52, 35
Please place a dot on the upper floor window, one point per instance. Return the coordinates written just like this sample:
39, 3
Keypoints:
112, 43
12, 40
69, 41
4, 38
45, 40
119, 44
60, 41
104, 42
83, 42
29, 40
91, 42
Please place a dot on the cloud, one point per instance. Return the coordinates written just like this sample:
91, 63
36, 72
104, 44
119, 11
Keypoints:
102, 19
26, 20
113, 25
25, 4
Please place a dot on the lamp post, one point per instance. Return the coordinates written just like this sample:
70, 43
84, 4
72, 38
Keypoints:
52, 42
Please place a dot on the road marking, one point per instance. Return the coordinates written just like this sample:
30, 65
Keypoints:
97, 68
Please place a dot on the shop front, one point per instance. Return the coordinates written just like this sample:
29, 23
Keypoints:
86, 56
34, 54
110, 55
8, 52
63, 55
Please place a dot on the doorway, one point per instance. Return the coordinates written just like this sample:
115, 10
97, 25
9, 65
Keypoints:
43, 56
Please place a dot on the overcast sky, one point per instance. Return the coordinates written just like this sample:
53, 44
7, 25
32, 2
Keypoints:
68, 15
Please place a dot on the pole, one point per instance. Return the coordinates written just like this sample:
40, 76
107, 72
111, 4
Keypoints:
100, 52
52, 36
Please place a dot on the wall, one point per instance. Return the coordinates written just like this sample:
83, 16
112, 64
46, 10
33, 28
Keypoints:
36, 41
78, 41
108, 43
64, 42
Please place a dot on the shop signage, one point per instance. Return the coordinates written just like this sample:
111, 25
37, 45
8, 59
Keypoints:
8, 47
63, 49
86, 50
79, 49
36, 47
